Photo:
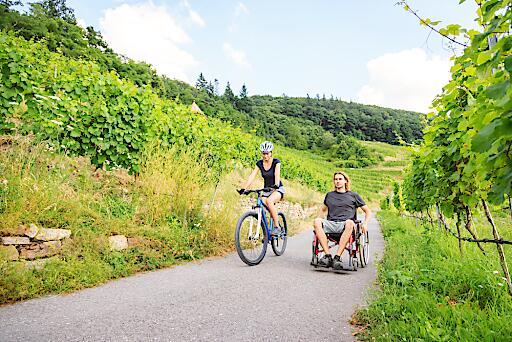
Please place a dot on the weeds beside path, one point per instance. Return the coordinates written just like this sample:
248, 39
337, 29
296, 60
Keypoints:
164, 208
428, 291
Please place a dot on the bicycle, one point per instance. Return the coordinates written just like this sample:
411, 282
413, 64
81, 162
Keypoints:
252, 233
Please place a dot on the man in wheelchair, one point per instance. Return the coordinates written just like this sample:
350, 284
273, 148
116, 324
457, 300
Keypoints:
340, 206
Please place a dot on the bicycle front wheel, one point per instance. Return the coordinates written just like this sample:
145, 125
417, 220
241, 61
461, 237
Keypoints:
250, 241
279, 242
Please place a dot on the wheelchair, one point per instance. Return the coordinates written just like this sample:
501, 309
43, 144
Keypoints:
358, 247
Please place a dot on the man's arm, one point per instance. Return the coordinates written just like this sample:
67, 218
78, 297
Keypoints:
322, 213
367, 216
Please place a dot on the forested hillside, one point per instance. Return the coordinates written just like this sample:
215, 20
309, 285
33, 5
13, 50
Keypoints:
314, 123
302, 122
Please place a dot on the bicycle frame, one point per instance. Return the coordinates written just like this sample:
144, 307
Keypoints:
251, 242
269, 224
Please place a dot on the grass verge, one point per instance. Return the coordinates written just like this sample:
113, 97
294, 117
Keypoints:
428, 291
167, 208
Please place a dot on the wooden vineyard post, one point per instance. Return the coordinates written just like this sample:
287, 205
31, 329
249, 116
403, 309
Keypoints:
501, 253
469, 219
510, 206
431, 220
458, 232
439, 219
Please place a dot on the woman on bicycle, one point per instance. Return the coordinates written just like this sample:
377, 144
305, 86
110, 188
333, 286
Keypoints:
270, 169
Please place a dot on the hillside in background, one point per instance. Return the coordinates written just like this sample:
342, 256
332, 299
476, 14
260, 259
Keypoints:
301, 123
310, 123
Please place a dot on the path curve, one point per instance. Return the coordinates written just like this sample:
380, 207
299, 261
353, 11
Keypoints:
220, 299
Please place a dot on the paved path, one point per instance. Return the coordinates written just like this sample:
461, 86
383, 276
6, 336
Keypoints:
220, 299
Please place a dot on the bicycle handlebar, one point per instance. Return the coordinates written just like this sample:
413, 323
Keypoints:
258, 191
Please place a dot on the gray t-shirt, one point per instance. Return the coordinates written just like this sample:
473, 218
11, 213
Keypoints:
342, 206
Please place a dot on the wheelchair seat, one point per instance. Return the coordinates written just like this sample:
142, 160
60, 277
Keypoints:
334, 237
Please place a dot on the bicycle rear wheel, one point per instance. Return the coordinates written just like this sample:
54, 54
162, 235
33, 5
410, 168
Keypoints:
364, 249
250, 246
279, 242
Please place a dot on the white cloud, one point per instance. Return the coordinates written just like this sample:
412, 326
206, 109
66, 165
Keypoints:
241, 8
146, 32
193, 15
196, 18
408, 79
236, 56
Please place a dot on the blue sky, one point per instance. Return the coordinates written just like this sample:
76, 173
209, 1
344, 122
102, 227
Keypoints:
368, 51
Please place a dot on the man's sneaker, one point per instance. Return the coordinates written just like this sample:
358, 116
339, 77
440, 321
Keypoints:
337, 265
276, 231
325, 261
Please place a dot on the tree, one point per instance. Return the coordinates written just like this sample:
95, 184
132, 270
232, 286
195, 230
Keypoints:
7, 4
229, 97
243, 92
201, 83
95, 38
216, 87
58, 9
327, 141
210, 90
243, 103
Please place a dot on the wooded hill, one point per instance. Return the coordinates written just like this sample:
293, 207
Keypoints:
302, 123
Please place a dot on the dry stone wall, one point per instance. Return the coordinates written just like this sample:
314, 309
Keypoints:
29, 242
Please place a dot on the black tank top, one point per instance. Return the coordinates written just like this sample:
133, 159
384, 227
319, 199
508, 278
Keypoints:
269, 175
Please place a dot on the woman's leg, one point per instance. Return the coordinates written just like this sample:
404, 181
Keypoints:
270, 202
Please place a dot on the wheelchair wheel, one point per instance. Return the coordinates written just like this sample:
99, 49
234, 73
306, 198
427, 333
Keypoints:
364, 249
250, 248
279, 242
353, 263
314, 251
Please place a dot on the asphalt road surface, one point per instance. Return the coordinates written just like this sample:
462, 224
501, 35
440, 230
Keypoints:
220, 299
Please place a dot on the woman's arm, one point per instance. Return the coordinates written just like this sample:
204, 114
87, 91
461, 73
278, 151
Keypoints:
251, 177
278, 174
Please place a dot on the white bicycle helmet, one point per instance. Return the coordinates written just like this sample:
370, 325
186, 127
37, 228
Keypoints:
266, 146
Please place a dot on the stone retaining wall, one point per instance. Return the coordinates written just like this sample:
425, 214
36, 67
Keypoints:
28, 242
